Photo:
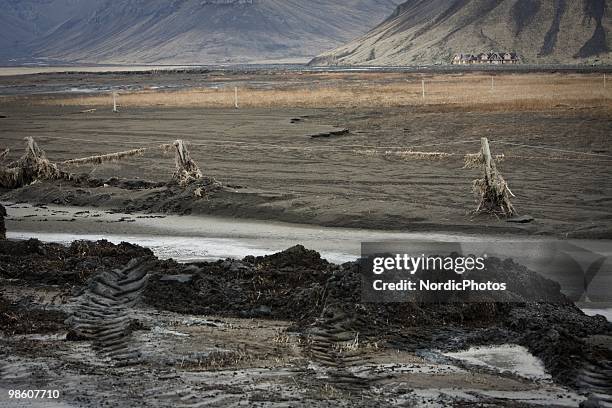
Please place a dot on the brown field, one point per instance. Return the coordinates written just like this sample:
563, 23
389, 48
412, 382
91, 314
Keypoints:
470, 91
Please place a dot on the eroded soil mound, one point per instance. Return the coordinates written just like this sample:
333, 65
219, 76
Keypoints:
19, 318
55, 264
297, 285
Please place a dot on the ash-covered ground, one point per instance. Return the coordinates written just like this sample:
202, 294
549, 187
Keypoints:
552, 130
108, 324
112, 324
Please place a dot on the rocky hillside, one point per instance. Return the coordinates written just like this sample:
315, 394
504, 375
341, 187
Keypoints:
23, 21
183, 31
432, 31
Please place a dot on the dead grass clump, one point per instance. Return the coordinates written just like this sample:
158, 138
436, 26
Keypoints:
410, 154
4, 154
475, 160
216, 360
106, 158
367, 152
33, 165
406, 154
204, 186
494, 197
281, 337
187, 170
492, 190
348, 346
10, 178
472, 161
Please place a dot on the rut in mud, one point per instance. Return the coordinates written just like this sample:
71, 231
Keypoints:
101, 313
334, 344
595, 379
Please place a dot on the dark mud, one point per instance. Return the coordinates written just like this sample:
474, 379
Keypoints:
52, 264
298, 286
24, 318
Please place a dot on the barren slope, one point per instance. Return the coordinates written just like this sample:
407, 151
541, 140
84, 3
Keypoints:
23, 21
431, 31
197, 31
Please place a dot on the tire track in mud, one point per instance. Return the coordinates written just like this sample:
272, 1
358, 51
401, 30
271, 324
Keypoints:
20, 371
595, 379
333, 343
101, 313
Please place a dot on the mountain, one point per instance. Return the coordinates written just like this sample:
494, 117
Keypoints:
424, 32
23, 21
183, 31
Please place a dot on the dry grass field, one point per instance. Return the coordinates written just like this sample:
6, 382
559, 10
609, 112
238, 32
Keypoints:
504, 92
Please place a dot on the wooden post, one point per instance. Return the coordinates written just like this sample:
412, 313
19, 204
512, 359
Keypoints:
492, 83
604, 80
486, 153
236, 97
423, 86
115, 102
186, 169
494, 191
181, 154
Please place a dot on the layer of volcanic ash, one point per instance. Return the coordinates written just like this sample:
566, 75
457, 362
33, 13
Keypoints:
299, 286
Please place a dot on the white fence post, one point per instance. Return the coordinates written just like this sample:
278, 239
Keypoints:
115, 102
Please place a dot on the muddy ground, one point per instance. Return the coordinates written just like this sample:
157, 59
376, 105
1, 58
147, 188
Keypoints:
290, 329
282, 330
273, 169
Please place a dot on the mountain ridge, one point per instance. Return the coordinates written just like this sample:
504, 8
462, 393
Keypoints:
430, 32
192, 31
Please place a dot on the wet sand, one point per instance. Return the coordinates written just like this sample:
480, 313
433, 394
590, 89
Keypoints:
200, 237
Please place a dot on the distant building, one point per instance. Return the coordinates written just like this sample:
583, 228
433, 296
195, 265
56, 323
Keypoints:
496, 58
464, 59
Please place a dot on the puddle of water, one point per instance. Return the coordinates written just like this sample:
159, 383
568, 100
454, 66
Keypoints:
181, 249
197, 238
505, 358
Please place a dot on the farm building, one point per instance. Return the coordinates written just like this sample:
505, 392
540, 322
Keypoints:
496, 58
